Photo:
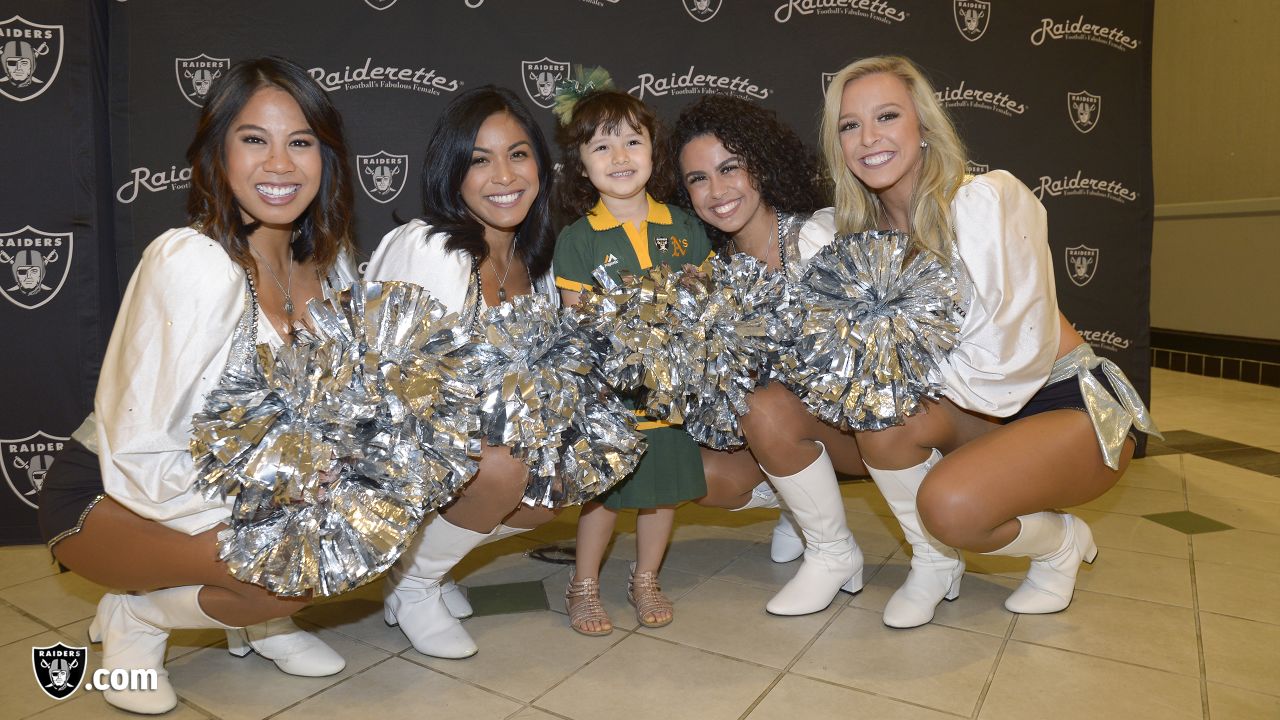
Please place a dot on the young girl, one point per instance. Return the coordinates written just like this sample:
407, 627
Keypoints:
608, 144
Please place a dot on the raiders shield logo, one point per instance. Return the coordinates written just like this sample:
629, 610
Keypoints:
33, 265
702, 10
1082, 262
972, 17
826, 81
540, 78
975, 168
1085, 109
382, 174
380, 4
25, 462
196, 75
30, 57
59, 669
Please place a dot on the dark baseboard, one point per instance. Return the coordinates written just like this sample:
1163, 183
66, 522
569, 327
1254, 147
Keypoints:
1251, 360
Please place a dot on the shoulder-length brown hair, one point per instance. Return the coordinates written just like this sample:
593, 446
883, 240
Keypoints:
606, 109
324, 228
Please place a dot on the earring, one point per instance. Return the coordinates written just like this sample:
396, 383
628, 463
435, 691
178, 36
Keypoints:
924, 144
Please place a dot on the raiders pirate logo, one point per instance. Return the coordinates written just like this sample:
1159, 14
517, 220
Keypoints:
59, 669
972, 17
382, 175
380, 4
702, 10
196, 75
540, 78
976, 168
25, 462
1085, 109
826, 81
30, 57
33, 265
1082, 263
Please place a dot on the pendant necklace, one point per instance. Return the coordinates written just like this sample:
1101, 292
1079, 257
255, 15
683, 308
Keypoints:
502, 280
286, 287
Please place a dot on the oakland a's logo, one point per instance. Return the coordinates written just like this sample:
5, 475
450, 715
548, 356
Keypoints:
37, 264
1085, 109
976, 168
26, 461
380, 4
59, 669
972, 17
826, 81
196, 75
382, 174
1082, 262
702, 10
540, 78
30, 57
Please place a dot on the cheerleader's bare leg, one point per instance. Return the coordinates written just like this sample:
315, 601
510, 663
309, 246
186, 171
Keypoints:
996, 495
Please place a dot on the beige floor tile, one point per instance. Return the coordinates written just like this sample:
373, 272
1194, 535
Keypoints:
533, 713
1040, 682
251, 687
1138, 575
1241, 653
1241, 548
876, 534
865, 497
502, 562
1244, 514
1229, 702
359, 618
698, 549
932, 665
15, 625
729, 618
57, 599
801, 697
1162, 472
181, 642
521, 655
613, 590
398, 689
20, 696
667, 681
1209, 477
979, 608
755, 567
24, 563
1143, 633
1137, 501
91, 706
1132, 532
1242, 592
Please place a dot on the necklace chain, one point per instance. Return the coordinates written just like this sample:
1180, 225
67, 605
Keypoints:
286, 287
502, 280
782, 258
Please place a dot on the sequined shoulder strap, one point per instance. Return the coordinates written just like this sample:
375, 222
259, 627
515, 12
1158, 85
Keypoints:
789, 226
244, 342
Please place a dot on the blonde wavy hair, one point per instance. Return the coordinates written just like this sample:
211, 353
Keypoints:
942, 169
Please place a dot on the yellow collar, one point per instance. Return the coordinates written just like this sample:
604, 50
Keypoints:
601, 219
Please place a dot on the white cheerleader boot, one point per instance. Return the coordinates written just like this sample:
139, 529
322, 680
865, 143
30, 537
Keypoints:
454, 599
293, 650
935, 568
832, 560
412, 595
1056, 543
134, 631
786, 544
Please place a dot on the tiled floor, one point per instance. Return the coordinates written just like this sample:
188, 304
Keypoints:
1166, 625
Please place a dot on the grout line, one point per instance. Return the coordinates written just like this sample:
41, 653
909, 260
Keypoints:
1195, 599
995, 665
327, 688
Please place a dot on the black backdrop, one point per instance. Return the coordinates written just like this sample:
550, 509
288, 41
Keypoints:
98, 99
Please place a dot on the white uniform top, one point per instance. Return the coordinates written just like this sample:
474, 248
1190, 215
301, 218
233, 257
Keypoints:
1009, 335
413, 253
169, 346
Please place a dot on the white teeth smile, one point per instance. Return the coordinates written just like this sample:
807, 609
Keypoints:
505, 199
277, 191
727, 208
878, 159
622, 173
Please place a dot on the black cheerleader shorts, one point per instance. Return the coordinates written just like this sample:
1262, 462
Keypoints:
1063, 395
72, 487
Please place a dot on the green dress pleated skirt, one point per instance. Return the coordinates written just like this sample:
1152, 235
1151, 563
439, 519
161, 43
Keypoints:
669, 473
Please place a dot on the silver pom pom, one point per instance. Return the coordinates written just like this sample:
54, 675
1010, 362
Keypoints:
335, 447
544, 399
878, 314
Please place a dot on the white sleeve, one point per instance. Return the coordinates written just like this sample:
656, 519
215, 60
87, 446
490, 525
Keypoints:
1009, 336
169, 346
412, 253
817, 233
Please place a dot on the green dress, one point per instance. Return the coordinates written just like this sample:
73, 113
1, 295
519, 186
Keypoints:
671, 470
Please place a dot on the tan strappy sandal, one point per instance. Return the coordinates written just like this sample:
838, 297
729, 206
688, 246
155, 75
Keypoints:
646, 596
582, 602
